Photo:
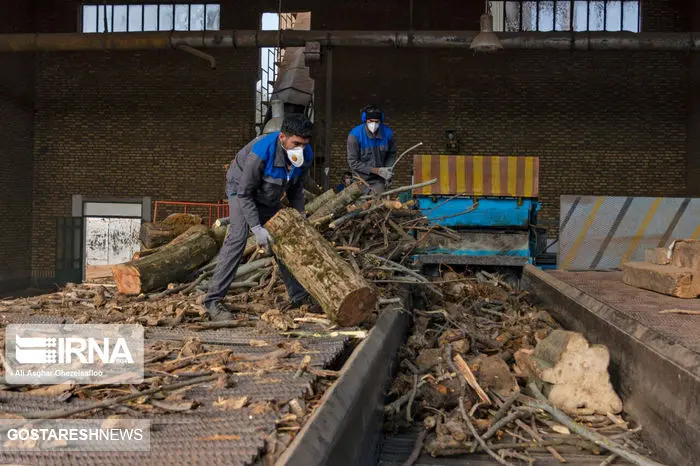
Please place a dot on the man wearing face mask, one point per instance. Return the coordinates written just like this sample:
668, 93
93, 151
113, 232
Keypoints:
262, 172
372, 149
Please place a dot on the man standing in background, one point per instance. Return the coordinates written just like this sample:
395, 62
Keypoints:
345, 182
372, 149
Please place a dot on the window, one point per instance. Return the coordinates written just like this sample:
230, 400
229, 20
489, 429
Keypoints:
565, 15
146, 17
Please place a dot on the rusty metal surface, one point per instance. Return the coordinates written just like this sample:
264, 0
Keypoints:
641, 305
205, 435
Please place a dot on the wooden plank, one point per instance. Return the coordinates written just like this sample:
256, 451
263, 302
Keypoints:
665, 279
657, 256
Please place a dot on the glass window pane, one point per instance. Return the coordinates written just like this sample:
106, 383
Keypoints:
613, 16
150, 17
630, 16
496, 9
580, 15
213, 17
513, 16
563, 18
120, 18
546, 20
90, 18
101, 18
270, 22
197, 18
135, 18
597, 14
166, 18
529, 16
182, 16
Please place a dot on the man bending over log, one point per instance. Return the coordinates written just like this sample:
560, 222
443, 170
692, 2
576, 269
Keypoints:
262, 172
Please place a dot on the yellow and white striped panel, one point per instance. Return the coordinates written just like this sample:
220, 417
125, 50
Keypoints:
478, 175
603, 232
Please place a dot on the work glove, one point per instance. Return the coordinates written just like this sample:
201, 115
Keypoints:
385, 172
262, 237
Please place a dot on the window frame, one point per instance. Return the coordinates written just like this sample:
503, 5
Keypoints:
503, 26
101, 10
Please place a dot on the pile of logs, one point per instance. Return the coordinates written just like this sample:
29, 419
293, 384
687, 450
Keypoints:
333, 253
674, 271
484, 371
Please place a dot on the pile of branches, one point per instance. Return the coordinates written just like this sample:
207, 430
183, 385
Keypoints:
461, 387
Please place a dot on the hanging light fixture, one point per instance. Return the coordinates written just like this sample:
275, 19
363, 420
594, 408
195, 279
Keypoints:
486, 40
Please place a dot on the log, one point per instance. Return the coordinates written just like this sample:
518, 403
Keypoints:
337, 205
153, 235
343, 294
170, 264
315, 204
666, 279
575, 373
657, 256
686, 253
182, 222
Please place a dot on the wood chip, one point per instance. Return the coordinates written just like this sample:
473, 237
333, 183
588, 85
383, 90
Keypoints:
231, 404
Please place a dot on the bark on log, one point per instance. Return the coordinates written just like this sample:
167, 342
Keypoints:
337, 204
153, 235
315, 204
182, 222
170, 264
346, 298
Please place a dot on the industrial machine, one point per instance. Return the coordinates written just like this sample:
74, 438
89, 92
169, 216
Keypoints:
489, 202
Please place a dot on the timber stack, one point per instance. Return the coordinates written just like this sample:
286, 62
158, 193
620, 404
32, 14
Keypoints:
674, 271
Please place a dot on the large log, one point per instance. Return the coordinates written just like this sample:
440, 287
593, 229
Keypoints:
170, 264
313, 205
575, 373
336, 206
680, 282
343, 294
153, 235
686, 253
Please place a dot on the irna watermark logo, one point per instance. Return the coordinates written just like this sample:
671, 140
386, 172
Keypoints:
50, 354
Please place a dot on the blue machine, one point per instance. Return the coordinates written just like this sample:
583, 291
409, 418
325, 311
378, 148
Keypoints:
490, 203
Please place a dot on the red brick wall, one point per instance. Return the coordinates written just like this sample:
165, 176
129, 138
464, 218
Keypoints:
162, 124
609, 123
121, 124
16, 108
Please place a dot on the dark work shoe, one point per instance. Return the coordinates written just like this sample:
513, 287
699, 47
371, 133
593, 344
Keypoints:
307, 300
218, 311
297, 303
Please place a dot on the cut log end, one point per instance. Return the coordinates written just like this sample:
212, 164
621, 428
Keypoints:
127, 278
357, 307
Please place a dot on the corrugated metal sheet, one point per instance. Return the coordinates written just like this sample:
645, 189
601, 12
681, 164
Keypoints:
603, 232
478, 175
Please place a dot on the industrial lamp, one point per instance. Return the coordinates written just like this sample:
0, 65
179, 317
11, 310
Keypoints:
486, 40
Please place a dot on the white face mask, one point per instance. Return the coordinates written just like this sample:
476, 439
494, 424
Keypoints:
296, 156
372, 126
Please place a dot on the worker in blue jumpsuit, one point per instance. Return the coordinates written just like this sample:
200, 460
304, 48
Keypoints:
262, 172
372, 149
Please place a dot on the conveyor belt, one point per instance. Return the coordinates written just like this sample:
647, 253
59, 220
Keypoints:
180, 439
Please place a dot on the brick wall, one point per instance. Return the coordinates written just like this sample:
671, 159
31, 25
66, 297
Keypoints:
162, 124
123, 125
16, 109
609, 123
